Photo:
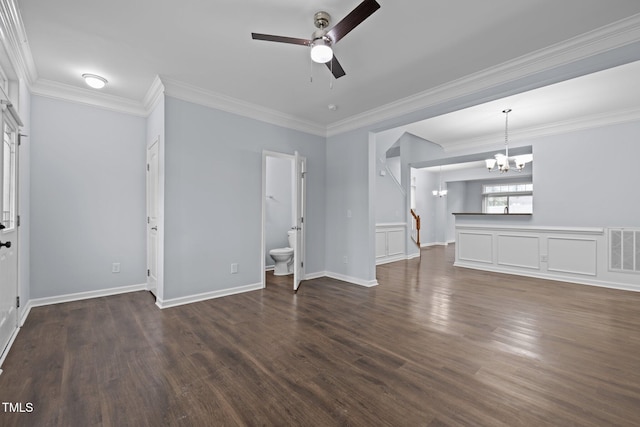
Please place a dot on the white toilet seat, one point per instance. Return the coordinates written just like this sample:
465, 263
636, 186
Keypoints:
281, 251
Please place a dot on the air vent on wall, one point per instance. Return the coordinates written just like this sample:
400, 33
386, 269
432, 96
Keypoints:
624, 249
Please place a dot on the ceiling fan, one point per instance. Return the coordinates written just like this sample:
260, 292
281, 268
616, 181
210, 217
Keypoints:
322, 39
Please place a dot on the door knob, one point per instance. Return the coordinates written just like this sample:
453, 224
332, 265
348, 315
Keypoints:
5, 244
2, 227
154, 228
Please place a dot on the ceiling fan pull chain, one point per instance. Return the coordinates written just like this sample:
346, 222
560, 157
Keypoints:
310, 70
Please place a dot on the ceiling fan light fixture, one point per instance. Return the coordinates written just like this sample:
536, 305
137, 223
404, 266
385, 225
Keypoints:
94, 81
321, 51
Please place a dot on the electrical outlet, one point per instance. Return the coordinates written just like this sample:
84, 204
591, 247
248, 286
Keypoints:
234, 268
115, 267
544, 258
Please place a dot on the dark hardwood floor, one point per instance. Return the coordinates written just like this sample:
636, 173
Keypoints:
432, 345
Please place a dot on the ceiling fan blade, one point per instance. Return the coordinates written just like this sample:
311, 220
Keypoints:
280, 39
353, 19
335, 67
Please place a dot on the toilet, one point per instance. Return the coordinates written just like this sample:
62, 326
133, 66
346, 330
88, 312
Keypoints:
284, 256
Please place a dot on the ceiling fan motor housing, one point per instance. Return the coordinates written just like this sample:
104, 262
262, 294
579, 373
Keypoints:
321, 19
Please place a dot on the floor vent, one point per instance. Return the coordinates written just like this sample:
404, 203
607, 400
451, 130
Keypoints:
624, 249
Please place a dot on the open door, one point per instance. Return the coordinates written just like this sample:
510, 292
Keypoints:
9, 303
298, 253
152, 217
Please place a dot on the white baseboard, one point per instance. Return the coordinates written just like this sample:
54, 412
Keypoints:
174, 302
394, 258
38, 302
316, 275
349, 279
426, 245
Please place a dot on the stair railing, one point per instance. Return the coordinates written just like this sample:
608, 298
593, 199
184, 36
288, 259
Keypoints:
415, 228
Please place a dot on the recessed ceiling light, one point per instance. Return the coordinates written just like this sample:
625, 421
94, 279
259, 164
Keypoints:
332, 107
94, 81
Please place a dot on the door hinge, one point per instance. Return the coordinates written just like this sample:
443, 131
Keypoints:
18, 302
147, 220
148, 272
147, 167
18, 221
302, 220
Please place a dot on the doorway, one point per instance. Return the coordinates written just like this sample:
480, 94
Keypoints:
9, 123
283, 210
153, 165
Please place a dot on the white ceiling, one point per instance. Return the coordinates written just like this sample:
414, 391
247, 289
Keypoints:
605, 96
404, 48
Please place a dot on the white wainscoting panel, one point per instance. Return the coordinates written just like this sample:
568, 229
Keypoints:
390, 242
381, 244
567, 254
519, 251
573, 256
475, 247
395, 242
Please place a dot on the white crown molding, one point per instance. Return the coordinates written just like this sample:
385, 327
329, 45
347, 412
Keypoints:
51, 89
154, 95
190, 93
601, 40
555, 128
14, 39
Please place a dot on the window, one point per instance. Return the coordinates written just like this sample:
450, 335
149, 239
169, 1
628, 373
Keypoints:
9, 178
507, 198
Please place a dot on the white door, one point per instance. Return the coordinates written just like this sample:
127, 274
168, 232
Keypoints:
152, 217
8, 232
298, 254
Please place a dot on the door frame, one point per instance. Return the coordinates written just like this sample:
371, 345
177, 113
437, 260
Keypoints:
11, 117
263, 252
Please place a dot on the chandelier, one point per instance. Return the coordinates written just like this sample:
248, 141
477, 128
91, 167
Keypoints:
501, 161
440, 192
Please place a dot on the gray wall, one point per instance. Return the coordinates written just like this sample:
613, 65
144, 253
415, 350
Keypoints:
455, 203
24, 199
213, 197
588, 178
350, 210
87, 198
390, 199
278, 205
426, 182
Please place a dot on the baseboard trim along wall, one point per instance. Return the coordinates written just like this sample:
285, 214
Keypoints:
317, 275
174, 302
427, 245
39, 302
353, 280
